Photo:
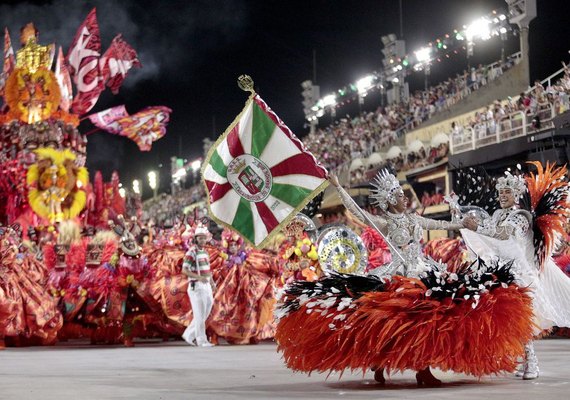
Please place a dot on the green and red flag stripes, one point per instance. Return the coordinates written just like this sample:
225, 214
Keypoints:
258, 175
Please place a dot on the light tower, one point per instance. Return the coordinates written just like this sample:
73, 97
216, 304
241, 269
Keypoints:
394, 51
311, 94
521, 12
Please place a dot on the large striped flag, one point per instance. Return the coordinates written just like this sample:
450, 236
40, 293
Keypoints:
258, 175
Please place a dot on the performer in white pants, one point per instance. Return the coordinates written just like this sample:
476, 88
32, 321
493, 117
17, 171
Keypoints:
197, 267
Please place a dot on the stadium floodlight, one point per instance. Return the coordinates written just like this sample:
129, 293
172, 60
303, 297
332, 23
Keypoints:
423, 55
179, 174
364, 84
478, 29
329, 100
196, 164
136, 186
153, 181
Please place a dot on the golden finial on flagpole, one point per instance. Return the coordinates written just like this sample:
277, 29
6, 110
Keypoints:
245, 83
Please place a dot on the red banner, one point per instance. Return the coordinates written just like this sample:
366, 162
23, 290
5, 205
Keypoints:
64, 81
83, 62
9, 60
119, 58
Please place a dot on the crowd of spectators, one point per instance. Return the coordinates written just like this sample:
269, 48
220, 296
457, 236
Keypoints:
536, 106
166, 208
349, 138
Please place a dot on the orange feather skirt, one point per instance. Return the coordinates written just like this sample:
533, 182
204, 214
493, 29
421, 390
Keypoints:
401, 325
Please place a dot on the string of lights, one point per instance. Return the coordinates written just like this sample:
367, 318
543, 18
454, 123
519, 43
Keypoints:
449, 45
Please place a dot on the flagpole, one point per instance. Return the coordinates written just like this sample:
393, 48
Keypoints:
92, 131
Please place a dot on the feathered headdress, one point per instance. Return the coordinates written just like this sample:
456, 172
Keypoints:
127, 232
299, 224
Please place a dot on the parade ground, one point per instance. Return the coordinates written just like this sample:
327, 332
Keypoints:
173, 370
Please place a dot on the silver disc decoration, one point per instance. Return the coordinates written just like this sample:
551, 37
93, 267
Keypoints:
341, 250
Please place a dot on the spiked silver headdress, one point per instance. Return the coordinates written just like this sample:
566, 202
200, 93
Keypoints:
386, 187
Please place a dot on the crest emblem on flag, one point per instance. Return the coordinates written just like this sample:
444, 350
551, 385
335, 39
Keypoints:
250, 177
258, 174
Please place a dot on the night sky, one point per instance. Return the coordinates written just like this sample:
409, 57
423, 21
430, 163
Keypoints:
193, 51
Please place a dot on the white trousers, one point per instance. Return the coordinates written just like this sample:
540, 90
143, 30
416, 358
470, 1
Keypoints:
202, 300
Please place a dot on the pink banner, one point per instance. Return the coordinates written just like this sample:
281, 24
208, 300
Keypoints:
107, 119
144, 127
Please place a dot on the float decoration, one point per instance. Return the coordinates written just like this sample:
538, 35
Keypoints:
45, 95
56, 185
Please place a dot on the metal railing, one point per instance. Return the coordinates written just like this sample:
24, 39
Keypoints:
548, 80
514, 125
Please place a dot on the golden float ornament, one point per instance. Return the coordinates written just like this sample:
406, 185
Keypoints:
32, 91
56, 185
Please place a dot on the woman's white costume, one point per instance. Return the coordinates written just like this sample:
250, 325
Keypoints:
509, 234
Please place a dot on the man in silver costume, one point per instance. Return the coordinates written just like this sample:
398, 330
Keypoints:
550, 290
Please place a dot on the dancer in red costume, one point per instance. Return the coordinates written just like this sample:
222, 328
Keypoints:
244, 299
65, 261
132, 271
28, 314
298, 256
167, 287
101, 311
